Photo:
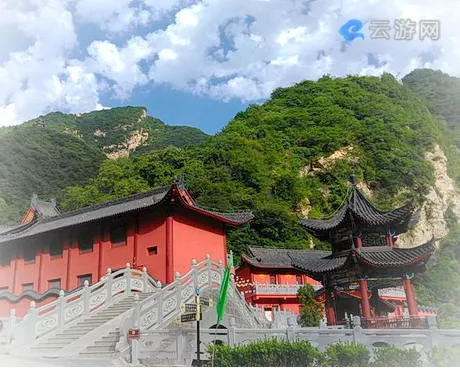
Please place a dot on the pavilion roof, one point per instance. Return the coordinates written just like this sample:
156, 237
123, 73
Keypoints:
358, 210
278, 257
381, 257
118, 207
43, 208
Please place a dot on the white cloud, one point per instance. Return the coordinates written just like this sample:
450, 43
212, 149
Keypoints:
220, 48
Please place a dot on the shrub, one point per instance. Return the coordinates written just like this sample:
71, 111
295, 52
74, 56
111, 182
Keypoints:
390, 356
266, 353
445, 357
345, 354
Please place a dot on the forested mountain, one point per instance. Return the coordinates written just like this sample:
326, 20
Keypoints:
278, 158
54, 151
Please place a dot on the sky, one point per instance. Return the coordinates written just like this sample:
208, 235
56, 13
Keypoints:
199, 62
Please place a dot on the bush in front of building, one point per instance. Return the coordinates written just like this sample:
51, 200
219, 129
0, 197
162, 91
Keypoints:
391, 356
267, 353
445, 357
311, 311
346, 354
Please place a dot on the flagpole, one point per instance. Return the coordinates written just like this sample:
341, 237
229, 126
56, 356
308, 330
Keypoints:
220, 307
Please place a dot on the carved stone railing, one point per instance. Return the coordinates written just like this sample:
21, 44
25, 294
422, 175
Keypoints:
178, 346
161, 309
66, 310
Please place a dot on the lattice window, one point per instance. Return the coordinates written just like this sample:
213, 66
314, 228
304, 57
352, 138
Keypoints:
374, 240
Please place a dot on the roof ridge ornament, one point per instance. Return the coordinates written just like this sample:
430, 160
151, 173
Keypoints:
352, 179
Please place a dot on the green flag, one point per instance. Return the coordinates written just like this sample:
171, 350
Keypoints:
220, 307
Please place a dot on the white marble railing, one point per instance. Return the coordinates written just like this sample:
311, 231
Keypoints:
65, 310
178, 347
160, 309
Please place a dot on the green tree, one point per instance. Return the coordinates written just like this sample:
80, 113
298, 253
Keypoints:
311, 311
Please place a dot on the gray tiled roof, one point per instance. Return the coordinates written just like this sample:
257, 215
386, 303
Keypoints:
362, 210
109, 209
277, 257
45, 209
377, 257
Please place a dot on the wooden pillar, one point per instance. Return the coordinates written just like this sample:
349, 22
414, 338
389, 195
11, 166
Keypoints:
100, 271
365, 299
410, 297
14, 264
169, 249
68, 265
390, 239
136, 233
39, 288
330, 313
358, 241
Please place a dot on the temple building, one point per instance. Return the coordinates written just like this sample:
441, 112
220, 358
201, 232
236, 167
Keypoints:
162, 230
365, 260
270, 282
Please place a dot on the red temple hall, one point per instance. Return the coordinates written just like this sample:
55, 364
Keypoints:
162, 230
365, 262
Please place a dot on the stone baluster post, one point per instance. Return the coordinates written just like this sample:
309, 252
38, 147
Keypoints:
61, 308
357, 330
109, 280
221, 270
178, 282
11, 325
209, 267
136, 325
86, 296
32, 321
232, 332
145, 279
433, 331
290, 332
128, 278
195, 273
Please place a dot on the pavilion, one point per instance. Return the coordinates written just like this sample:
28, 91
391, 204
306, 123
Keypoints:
365, 258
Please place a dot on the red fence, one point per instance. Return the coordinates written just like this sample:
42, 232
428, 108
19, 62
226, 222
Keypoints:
395, 322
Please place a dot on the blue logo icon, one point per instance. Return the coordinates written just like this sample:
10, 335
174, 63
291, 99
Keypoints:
350, 29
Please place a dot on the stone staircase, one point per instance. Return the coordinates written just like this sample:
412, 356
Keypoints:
102, 347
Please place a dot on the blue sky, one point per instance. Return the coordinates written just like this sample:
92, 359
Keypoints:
199, 62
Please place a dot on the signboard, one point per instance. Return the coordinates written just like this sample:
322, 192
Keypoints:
204, 301
134, 333
188, 308
189, 317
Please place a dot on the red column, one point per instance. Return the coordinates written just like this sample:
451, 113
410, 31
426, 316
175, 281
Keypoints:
365, 299
410, 297
100, 271
68, 265
330, 313
169, 249
40, 271
358, 242
390, 240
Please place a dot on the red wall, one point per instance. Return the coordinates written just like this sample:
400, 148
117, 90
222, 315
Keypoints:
194, 238
152, 233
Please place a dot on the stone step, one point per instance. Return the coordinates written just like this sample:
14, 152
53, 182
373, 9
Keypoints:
67, 339
113, 338
98, 354
48, 347
108, 345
